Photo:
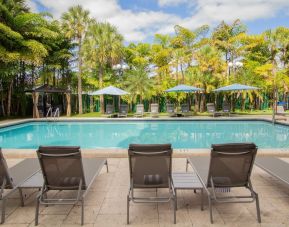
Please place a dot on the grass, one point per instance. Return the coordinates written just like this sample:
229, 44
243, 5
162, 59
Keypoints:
247, 112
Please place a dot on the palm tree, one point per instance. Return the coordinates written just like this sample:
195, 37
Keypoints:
139, 84
75, 23
102, 47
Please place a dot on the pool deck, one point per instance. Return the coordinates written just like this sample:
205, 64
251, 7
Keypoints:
121, 153
105, 204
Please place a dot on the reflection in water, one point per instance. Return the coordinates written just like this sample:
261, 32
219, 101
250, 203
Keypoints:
182, 134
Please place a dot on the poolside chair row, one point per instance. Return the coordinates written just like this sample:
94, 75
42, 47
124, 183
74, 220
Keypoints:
229, 166
171, 110
150, 167
58, 168
212, 110
154, 110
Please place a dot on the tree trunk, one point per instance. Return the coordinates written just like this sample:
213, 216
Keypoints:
9, 98
100, 77
197, 109
68, 104
203, 103
35, 97
243, 103
2, 104
91, 103
183, 76
79, 84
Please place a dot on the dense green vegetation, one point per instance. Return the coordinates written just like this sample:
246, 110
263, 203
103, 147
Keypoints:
79, 53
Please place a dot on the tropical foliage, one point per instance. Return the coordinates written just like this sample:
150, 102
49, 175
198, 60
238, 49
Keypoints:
79, 53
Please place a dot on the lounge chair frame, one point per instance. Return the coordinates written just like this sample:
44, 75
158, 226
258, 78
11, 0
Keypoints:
139, 110
211, 109
31, 167
226, 109
171, 109
154, 110
109, 110
150, 151
82, 188
185, 110
225, 150
123, 110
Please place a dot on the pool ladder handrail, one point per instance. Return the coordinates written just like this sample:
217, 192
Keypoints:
49, 112
56, 113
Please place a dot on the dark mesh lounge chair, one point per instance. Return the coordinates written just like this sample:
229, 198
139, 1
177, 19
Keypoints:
109, 110
185, 109
171, 109
150, 167
11, 179
139, 110
64, 169
154, 110
226, 109
212, 109
123, 110
280, 113
230, 165
274, 166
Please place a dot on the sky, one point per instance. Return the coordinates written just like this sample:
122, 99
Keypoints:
139, 20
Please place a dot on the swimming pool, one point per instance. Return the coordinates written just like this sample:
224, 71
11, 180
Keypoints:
119, 134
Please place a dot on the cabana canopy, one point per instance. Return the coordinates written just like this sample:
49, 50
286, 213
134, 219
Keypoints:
111, 90
48, 89
236, 87
184, 88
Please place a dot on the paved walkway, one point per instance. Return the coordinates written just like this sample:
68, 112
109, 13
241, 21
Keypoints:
105, 204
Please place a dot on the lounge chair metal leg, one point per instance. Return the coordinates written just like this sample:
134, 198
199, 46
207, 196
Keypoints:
258, 208
3, 211
82, 211
45, 197
187, 164
202, 199
176, 200
37, 210
127, 211
210, 208
175, 209
106, 166
21, 197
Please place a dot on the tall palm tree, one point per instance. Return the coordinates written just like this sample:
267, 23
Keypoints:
75, 23
139, 84
102, 47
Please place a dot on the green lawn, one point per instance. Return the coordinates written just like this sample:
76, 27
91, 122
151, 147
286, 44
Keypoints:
247, 112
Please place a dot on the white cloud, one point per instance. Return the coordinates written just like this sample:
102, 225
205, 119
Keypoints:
140, 25
32, 5
171, 2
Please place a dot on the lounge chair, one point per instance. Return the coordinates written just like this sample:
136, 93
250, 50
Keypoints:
150, 167
274, 166
230, 166
171, 109
109, 110
226, 109
280, 113
212, 109
11, 179
139, 110
154, 110
185, 109
64, 169
123, 110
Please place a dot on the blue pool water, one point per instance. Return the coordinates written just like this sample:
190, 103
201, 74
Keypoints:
112, 134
